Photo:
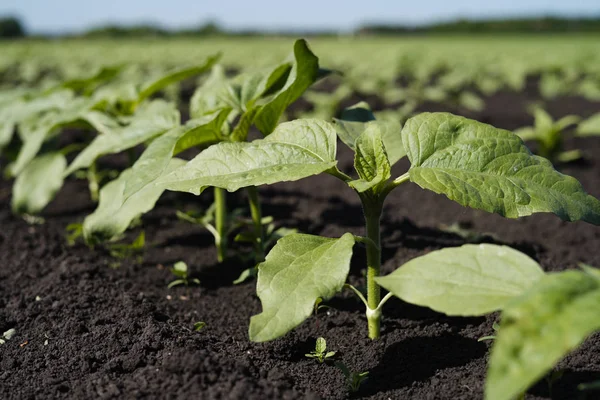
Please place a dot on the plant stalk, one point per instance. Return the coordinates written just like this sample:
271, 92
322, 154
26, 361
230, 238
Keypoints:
256, 212
372, 210
221, 223
93, 184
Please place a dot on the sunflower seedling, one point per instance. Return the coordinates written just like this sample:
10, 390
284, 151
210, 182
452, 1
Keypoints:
180, 270
472, 163
548, 134
320, 352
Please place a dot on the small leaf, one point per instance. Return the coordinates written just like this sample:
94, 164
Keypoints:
295, 150
470, 280
539, 328
590, 126
38, 183
198, 326
358, 119
321, 345
490, 169
297, 271
370, 161
304, 73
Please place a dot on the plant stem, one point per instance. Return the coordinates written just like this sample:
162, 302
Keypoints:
93, 184
372, 209
221, 223
256, 213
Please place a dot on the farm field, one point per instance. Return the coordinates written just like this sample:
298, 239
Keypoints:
123, 159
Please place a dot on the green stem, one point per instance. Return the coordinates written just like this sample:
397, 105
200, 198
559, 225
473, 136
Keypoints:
372, 210
221, 223
93, 184
256, 213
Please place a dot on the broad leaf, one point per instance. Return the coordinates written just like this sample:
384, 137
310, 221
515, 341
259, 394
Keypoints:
357, 119
370, 160
469, 280
149, 121
37, 184
590, 126
295, 150
303, 74
299, 270
539, 328
209, 96
487, 168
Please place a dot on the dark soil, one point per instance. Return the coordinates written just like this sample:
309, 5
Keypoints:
87, 330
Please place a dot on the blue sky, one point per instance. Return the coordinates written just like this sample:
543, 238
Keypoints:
56, 16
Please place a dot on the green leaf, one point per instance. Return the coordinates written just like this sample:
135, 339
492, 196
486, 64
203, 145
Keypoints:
357, 119
149, 121
37, 184
487, 168
295, 150
370, 161
539, 328
175, 76
469, 280
133, 192
303, 74
198, 326
35, 132
206, 131
299, 270
321, 345
590, 126
208, 98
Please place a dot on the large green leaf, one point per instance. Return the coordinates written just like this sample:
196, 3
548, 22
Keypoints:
133, 192
483, 167
37, 184
304, 73
299, 270
590, 126
370, 161
357, 119
149, 121
295, 150
469, 280
539, 328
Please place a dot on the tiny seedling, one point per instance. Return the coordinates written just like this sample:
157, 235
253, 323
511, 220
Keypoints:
495, 327
548, 134
180, 270
127, 250
198, 326
353, 379
73, 233
8, 335
320, 352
